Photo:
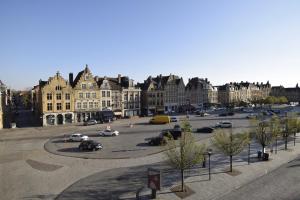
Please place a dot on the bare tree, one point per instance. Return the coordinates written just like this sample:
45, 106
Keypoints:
275, 129
263, 136
187, 155
230, 144
290, 127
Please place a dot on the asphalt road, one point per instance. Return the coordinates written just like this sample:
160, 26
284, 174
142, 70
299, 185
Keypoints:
281, 184
131, 141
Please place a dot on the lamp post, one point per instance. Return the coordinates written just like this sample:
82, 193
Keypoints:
209, 152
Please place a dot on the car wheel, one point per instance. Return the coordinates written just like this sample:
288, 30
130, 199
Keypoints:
113, 134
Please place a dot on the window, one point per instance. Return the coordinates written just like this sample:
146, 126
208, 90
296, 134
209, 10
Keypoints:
49, 106
49, 96
131, 97
91, 86
58, 87
96, 104
103, 104
78, 105
81, 95
137, 97
67, 96
88, 95
125, 97
94, 95
84, 105
68, 106
83, 86
103, 93
58, 96
108, 93
108, 103
58, 106
91, 104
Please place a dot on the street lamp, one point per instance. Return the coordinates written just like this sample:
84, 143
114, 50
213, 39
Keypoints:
209, 152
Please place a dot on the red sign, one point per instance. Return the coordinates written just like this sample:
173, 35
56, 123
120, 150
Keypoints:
154, 179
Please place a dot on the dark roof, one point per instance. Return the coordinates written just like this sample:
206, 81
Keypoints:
77, 78
159, 81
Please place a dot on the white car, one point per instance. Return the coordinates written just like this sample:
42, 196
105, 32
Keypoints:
109, 132
173, 119
224, 124
77, 137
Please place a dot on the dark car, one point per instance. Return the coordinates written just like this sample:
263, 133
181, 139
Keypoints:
205, 130
90, 145
223, 114
159, 140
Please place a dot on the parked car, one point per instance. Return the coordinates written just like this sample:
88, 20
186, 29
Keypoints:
77, 137
173, 119
160, 119
90, 122
109, 132
205, 130
251, 116
203, 114
224, 124
223, 114
90, 145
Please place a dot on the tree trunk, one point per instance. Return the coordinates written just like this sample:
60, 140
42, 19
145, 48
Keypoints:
182, 181
230, 163
276, 145
285, 142
294, 139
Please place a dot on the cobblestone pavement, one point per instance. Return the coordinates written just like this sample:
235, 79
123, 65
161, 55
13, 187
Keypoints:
281, 184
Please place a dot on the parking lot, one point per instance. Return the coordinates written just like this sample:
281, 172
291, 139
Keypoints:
131, 141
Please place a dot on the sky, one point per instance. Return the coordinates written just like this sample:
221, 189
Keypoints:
222, 40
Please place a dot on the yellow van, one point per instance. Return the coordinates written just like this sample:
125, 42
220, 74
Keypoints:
160, 119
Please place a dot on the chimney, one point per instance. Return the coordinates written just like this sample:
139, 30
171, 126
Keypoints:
119, 78
71, 78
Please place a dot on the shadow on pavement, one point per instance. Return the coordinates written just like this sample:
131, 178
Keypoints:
71, 149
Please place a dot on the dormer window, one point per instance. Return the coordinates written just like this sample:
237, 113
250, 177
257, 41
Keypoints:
58, 87
83, 86
86, 77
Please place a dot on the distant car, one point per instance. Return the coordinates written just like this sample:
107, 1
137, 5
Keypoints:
77, 137
205, 130
224, 124
177, 127
173, 119
251, 116
223, 114
90, 145
203, 114
90, 122
109, 132
159, 140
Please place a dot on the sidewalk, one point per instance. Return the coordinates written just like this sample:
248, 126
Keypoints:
222, 183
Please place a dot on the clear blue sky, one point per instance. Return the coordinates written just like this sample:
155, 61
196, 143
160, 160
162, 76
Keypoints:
225, 41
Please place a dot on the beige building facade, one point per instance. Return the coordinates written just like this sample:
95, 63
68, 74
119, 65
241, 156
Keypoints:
53, 101
87, 99
201, 93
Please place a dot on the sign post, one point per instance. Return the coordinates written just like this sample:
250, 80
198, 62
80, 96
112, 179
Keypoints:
154, 177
